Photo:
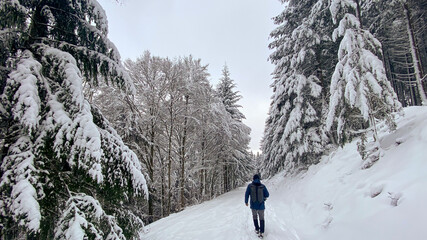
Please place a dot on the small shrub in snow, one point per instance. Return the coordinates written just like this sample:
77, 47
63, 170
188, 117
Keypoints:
369, 150
372, 154
361, 146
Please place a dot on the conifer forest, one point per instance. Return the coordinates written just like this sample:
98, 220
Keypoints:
97, 146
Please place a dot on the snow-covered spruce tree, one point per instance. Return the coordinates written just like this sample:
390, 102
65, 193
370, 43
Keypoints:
234, 155
360, 91
65, 173
293, 137
228, 95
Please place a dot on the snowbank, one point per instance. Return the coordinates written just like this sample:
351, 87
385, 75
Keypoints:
336, 199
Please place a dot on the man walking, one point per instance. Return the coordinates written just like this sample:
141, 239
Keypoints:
258, 193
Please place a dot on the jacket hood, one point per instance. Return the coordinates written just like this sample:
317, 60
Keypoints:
256, 181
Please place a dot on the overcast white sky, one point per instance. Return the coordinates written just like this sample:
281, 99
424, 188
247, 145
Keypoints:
235, 32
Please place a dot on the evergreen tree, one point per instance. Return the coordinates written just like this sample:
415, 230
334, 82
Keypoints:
229, 97
234, 155
302, 48
360, 91
65, 172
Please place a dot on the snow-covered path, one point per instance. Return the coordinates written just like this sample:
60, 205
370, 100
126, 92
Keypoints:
225, 217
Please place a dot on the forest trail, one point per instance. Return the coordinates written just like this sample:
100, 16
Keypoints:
225, 217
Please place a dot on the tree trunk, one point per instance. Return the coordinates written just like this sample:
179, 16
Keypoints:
414, 53
358, 13
182, 156
163, 184
162, 213
412, 87
151, 173
225, 178
212, 187
169, 160
202, 183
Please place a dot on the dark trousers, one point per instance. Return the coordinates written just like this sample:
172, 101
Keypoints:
255, 214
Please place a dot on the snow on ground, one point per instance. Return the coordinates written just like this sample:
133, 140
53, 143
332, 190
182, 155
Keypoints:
333, 200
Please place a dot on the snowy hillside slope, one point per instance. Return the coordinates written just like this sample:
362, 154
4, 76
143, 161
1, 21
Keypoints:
334, 200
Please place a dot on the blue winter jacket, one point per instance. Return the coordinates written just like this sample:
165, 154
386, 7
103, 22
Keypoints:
254, 204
